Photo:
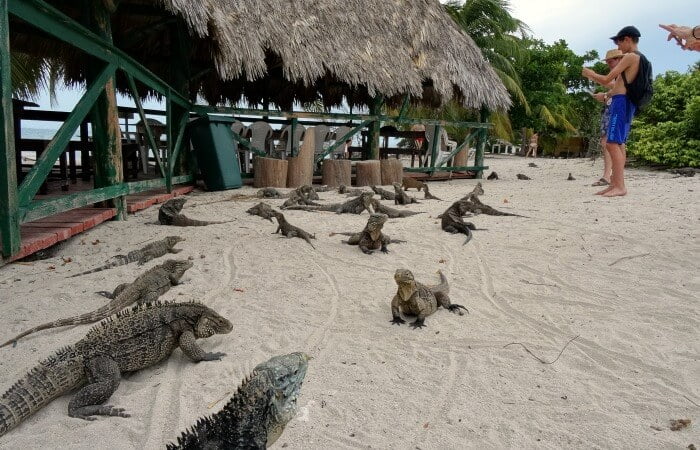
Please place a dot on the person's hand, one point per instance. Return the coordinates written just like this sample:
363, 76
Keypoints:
588, 73
600, 96
683, 36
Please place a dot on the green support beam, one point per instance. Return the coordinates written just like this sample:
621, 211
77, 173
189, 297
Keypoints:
149, 133
481, 144
375, 109
9, 220
341, 141
31, 183
434, 145
460, 147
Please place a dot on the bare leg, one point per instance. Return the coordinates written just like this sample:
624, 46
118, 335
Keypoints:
618, 156
607, 161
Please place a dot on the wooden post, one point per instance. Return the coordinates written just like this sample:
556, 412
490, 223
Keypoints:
106, 135
337, 172
375, 109
368, 173
181, 72
437, 137
9, 206
301, 167
481, 144
461, 158
392, 171
269, 172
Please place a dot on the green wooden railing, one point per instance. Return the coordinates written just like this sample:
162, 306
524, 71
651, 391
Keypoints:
17, 202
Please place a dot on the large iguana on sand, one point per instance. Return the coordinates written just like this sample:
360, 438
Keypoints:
257, 413
132, 340
416, 299
169, 214
452, 222
141, 256
371, 237
383, 193
263, 210
353, 206
147, 287
401, 197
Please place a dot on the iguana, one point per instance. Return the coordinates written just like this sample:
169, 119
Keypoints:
492, 176
289, 230
269, 192
263, 210
452, 222
685, 171
353, 206
169, 214
383, 193
342, 189
257, 413
428, 195
522, 177
371, 237
147, 287
140, 256
473, 204
132, 340
391, 212
532, 164
416, 299
400, 196
410, 182
304, 195
570, 177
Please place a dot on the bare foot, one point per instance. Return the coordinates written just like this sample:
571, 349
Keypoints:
615, 192
604, 191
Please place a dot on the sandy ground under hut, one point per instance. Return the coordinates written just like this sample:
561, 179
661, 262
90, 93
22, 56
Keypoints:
619, 273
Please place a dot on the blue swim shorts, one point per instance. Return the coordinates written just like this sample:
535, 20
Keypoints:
621, 113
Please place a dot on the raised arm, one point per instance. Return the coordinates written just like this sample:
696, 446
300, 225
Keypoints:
605, 80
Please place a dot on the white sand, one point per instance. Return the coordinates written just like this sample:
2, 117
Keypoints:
539, 281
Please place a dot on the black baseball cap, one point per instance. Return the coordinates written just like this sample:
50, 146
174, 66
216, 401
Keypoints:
629, 30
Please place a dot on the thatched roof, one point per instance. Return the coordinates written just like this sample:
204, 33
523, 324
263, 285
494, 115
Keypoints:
280, 51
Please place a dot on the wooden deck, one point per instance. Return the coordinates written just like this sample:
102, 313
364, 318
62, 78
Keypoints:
43, 233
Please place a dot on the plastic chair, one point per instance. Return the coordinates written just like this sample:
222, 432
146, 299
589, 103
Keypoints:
260, 135
285, 143
336, 135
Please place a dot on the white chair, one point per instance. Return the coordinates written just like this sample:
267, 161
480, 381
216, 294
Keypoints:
285, 142
444, 143
336, 135
321, 133
260, 136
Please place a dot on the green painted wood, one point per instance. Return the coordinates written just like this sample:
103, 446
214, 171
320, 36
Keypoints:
295, 142
181, 127
149, 134
434, 146
45, 208
36, 176
341, 141
467, 141
404, 106
375, 109
446, 169
481, 144
205, 109
9, 218
55, 23
169, 136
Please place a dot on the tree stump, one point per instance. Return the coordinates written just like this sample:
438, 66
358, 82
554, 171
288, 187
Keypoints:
336, 172
269, 172
301, 167
461, 158
368, 173
392, 171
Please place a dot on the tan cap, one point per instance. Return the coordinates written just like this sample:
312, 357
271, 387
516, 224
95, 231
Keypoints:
612, 54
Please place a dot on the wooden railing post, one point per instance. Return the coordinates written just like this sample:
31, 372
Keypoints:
9, 207
375, 109
106, 135
481, 144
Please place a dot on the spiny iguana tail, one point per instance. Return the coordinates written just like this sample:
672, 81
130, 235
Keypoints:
452, 222
383, 193
257, 413
289, 230
132, 340
353, 206
391, 212
371, 237
263, 210
417, 299
342, 189
410, 182
147, 287
401, 197
169, 214
141, 256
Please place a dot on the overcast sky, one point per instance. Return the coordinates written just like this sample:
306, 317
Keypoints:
587, 25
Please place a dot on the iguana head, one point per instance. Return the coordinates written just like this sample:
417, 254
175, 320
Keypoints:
176, 204
403, 276
478, 189
177, 267
211, 323
172, 240
285, 375
375, 223
342, 189
277, 215
397, 187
